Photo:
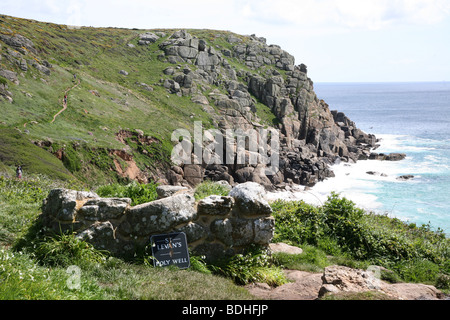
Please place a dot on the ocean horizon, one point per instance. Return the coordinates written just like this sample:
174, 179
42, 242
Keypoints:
407, 117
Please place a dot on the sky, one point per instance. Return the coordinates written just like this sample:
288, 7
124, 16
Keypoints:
338, 40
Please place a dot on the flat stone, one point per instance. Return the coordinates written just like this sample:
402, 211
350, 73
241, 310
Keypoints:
283, 247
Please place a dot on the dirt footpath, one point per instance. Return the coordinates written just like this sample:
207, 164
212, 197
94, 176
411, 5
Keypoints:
304, 286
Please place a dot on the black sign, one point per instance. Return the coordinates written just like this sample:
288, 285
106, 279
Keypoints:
170, 249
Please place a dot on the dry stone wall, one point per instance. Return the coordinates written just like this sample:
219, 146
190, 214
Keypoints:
214, 226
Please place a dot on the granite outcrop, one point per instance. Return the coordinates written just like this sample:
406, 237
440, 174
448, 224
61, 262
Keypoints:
312, 137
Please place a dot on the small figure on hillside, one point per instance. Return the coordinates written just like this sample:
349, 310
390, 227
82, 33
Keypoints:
65, 99
19, 172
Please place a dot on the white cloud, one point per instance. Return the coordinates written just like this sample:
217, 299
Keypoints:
52, 5
300, 16
73, 13
403, 61
426, 12
334, 38
347, 14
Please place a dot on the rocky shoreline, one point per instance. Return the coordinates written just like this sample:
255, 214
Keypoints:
311, 136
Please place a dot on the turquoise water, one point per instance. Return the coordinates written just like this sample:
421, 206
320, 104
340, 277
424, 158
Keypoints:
412, 118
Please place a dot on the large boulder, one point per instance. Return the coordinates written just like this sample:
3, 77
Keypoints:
395, 156
193, 173
158, 216
249, 198
62, 204
18, 42
147, 38
165, 191
337, 279
42, 68
215, 205
101, 235
104, 208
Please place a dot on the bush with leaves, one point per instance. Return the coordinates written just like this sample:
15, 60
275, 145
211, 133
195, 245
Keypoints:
207, 188
339, 227
66, 249
297, 222
138, 193
255, 265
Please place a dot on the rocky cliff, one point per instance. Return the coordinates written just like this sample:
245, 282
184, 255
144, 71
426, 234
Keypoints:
138, 86
311, 136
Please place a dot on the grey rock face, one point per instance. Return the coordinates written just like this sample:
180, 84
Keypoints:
61, 204
147, 38
10, 75
325, 136
18, 42
215, 205
249, 199
165, 191
104, 208
159, 216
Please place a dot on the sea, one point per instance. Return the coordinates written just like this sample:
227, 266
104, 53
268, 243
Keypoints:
411, 118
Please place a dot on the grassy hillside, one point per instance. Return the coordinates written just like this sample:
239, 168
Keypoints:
15, 149
104, 102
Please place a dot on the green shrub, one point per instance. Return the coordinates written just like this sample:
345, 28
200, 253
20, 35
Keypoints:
311, 259
443, 281
340, 228
418, 270
71, 160
3, 81
65, 250
297, 222
255, 265
198, 264
138, 193
208, 188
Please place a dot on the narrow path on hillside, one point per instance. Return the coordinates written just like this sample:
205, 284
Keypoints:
65, 101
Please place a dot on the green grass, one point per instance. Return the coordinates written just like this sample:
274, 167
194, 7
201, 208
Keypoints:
23, 278
16, 149
208, 188
20, 201
311, 260
138, 193
92, 121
